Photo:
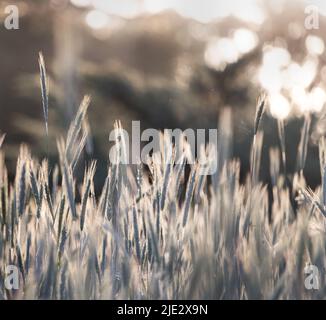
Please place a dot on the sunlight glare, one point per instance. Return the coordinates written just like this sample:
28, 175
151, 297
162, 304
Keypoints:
245, 40
277, 57
309, 69
315, 45
97, 19
280, 107
300, 98
318, 99
220, 52
270, 78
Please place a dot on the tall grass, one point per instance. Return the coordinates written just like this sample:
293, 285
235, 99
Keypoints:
2, 138
44, 91
159, 235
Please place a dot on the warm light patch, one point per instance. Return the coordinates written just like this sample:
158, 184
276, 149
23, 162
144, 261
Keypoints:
315, 45
271, 72
300, 98
81, 3
97, 19
279, 106
309, 68
220, 52
278, 57
270, 78
245, 40
317, 99
293, 76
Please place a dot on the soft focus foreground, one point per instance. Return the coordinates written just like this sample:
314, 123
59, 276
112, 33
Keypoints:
160, 234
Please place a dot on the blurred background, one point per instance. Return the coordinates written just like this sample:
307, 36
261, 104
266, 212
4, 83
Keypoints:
169, 64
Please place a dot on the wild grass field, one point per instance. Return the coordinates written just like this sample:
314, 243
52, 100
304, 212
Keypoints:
160, 233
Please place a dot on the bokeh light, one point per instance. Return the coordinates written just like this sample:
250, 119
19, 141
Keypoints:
220, 52
315, 45
97, 19
279, 106
289, 82
318, 99
245, 40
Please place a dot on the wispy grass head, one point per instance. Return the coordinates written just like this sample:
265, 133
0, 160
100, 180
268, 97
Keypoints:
44, 91
2, 138
260, 108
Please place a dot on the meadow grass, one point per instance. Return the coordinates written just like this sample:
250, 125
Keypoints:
162, 234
